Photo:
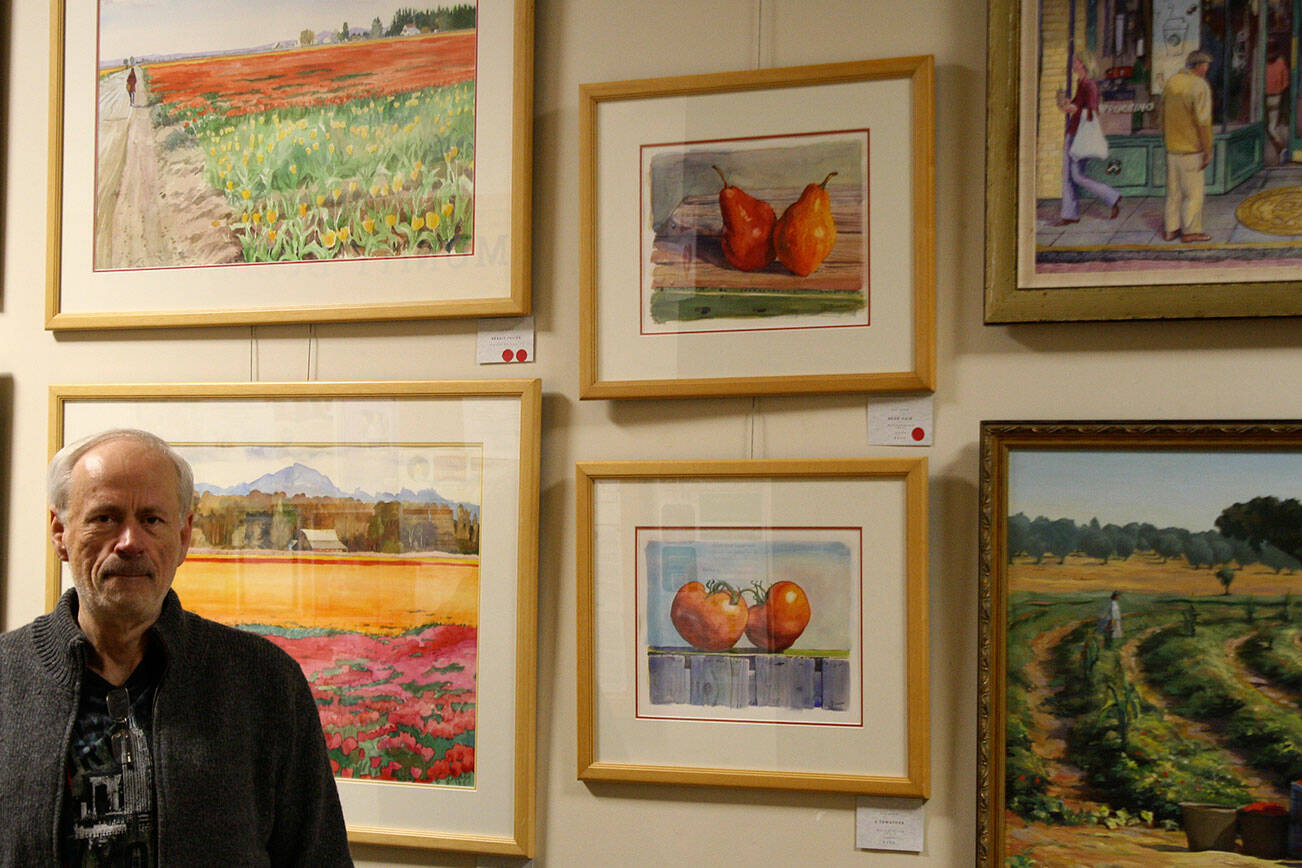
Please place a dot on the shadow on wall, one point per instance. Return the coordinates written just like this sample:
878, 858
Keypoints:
6, 22
6, 473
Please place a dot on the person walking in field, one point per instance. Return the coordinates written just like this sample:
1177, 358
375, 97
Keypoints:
1110, 622
131, 85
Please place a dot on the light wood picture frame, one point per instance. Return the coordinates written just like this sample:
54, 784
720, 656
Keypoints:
671, 691
1138, 600
674, 303
1049, 260
312, 491
221, 168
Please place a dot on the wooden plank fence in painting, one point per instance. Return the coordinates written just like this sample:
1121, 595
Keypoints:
741, 680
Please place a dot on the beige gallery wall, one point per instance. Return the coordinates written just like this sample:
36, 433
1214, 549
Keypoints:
1175, 370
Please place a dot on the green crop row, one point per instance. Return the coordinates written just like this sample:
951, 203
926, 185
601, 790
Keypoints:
1196, 672
1274, 655
372, 177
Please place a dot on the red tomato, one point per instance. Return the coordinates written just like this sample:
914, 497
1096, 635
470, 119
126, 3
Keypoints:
710, 618
779, 617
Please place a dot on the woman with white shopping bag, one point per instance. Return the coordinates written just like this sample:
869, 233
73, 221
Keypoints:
1084, 141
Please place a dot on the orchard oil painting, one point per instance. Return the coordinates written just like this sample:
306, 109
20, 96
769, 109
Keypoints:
750, 624
757, 233
1142, 608
244, 132
361, 562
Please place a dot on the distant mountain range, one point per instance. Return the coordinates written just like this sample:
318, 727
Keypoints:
300, 479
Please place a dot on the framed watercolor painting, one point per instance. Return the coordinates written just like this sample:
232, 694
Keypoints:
218, 164
1186, 206
1139, 632
385, 535
760, 232
754, 624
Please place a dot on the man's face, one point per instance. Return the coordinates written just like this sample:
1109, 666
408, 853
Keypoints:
1200, 69
122, 533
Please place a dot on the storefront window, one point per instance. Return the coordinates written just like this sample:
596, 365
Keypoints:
1230, 35
1122, 30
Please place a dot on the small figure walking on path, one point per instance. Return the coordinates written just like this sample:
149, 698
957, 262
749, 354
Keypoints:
1110, 622
131, 84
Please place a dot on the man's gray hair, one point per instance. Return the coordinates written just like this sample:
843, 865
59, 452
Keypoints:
1196, 57
59, 474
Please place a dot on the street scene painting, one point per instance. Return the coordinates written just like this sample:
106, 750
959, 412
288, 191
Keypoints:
767, 232
750, 624
252, 132
1162, 142
361, 562
1154, 656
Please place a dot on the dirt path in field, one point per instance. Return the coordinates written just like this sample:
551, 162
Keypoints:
152, 207
1281, 697
1189, 728
1049, 846
1139, 846
1048, 731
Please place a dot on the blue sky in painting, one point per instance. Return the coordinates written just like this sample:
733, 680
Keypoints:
454, 471
1176, 489
142, 27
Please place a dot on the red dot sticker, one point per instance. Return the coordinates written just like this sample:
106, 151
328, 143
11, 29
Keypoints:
918, 434
507, 355
521, 355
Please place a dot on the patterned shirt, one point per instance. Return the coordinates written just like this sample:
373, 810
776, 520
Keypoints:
108, 807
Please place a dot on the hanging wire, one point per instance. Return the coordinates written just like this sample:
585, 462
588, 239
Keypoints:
312, 352
253, 354
762, 34
750, 425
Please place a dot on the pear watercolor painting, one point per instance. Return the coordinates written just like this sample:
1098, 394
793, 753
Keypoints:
755, 234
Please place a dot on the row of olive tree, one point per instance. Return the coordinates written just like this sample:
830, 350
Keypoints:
1239, 543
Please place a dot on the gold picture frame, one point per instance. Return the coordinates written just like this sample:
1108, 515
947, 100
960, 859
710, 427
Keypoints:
293, 231
663, 312
1117, 265
658, 702
444, 461
1105, 628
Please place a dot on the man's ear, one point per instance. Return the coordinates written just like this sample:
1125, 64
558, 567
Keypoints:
56, 534
187, 532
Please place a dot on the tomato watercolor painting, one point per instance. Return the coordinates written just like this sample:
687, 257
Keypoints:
749, 624
245, 132
362, 563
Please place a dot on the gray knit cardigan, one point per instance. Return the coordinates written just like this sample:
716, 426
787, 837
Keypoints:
241, 775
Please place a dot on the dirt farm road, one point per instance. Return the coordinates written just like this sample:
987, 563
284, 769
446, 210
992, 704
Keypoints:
1052, 846
152, 208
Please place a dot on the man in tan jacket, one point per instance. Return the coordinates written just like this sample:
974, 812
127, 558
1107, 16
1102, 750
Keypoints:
1187, 132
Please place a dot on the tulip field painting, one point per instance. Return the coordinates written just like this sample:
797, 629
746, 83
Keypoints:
254, 132
361, 562
767, 232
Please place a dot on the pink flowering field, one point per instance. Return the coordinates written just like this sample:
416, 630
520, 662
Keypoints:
394, 708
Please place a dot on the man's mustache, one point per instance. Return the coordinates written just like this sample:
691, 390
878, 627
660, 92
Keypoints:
119, 566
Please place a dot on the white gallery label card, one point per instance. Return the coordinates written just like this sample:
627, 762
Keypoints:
505, 340
900, 421
883, 823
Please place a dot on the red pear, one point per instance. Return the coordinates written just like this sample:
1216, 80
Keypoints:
805, 232
747, 227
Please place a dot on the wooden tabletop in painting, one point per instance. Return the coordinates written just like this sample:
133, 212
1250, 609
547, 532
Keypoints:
687, 253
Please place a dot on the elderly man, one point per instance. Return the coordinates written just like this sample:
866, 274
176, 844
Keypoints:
1187, 133
133, 732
